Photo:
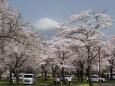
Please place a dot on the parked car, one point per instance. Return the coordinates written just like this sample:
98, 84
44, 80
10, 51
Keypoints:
108, 75
21, 75
13, 77
29, 79
97, 79
113, 75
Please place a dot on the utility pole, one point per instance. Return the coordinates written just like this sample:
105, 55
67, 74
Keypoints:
99, 70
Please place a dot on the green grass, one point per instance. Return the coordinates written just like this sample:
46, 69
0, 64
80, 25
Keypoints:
51, 83
41, 80
111, 81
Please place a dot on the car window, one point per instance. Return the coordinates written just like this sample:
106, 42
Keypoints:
94, 76
28, 76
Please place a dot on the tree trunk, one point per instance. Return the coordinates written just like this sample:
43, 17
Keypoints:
63, 75
81, 71
89, 75
10, 77
17, 77
0, 76
42, 74
89, 66
45, 74
81, 75
111, 73
78, 75
53, 71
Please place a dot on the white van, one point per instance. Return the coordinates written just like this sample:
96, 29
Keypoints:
29, 79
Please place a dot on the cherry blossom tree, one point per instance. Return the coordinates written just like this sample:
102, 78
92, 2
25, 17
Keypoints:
19, 46
61, 56
110, 53
86, 30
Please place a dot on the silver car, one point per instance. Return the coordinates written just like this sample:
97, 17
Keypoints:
96, 78
29, 79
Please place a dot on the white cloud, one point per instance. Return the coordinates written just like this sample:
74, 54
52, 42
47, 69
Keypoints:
46, 24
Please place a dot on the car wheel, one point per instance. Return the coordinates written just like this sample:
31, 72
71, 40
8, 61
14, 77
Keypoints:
102, 81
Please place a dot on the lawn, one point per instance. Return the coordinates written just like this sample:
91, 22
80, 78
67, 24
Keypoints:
40, 81
49, 82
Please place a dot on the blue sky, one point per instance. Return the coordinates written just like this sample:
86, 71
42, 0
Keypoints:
61, 10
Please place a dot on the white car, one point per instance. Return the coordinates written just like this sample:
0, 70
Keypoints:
113, 75
96, 78
13, 78
29, 79
20, 76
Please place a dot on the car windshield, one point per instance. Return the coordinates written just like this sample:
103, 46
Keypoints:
28, 76
94, 76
